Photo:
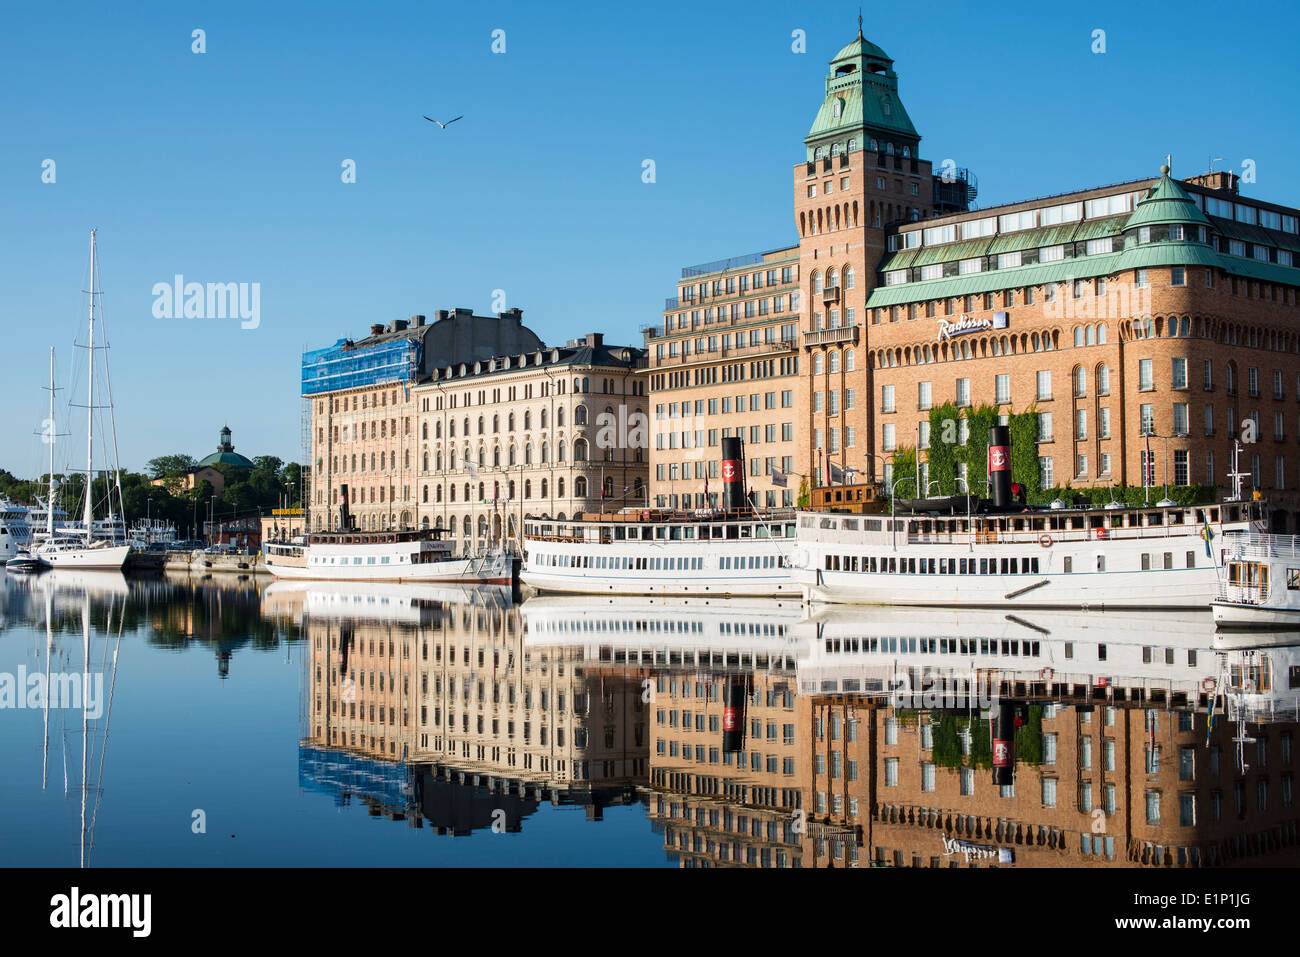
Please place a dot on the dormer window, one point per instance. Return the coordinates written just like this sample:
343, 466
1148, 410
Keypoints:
838, 108
885, 106
853, 146
817, 153
875, 147
889, 149
907, 151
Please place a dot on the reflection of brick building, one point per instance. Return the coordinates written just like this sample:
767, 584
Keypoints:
1098, 796
725, 809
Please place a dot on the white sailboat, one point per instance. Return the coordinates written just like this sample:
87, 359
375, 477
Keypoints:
85, 551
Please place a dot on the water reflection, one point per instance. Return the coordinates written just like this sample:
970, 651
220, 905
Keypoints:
750, 733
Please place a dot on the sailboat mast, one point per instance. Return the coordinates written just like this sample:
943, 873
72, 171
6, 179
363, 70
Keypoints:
90, 401
49, 506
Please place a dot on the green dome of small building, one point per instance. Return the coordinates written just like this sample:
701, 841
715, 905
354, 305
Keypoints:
226, 454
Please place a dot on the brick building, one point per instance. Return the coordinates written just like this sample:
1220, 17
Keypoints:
1145, 326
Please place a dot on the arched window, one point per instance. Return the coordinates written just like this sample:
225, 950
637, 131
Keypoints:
559, 453
543, 488
424, 430
512, 455
818, 360
528, 488
528, 419
1091, 337
545, 449
496, 457
559, 488
496, 423
608, 489
834, 361
480, 425
832, 277
580, 450
853, 146
543, 418
426, 462
528, 454
1080, 382
1103, 380
1101, 335
510, 422
559, 417
579, 486
816, 283
848, 277
437, 429
580, 415
1078, 337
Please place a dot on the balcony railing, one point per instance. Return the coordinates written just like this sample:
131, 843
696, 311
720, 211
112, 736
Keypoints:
825, 337
831, 294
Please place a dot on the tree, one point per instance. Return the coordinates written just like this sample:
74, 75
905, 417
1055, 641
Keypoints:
171, 466
804, 496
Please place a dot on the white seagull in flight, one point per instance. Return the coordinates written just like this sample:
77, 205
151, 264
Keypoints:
441, 124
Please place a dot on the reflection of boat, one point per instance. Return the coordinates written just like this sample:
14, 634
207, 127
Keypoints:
1260, 584
377, 601
756, 625
98, 583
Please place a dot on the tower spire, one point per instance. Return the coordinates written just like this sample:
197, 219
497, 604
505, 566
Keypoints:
860, 23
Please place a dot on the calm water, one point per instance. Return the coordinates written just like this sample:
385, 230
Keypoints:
236, 722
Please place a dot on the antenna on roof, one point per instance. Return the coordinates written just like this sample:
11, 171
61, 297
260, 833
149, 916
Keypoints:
859, 22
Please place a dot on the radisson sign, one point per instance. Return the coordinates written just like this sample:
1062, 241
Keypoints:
964, 324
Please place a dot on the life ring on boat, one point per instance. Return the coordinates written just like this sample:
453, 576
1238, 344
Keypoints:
1046, 674
1045, 540
1207, 685
1099, 532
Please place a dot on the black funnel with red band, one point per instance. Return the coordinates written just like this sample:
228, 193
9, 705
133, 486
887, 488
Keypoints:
733, 475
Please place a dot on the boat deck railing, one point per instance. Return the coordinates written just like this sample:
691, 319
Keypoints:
1260, 545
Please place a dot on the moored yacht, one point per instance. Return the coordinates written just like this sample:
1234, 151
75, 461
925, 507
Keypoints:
732, 551
82, 549
15, 533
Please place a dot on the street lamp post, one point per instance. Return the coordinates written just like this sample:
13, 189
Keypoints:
893, 497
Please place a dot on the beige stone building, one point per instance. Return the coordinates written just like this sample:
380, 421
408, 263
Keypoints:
549, 434
472, 424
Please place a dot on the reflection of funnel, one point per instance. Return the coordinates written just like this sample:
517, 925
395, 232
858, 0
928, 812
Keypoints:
733, 714
345, 644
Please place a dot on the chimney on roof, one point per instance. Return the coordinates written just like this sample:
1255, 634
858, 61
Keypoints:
399, 325
1221, 179
377, 329
595, 339
441, 314
418, 320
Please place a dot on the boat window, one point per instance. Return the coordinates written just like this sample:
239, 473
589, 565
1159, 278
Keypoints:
1155, 518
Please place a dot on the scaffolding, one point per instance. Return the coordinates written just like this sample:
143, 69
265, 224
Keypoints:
348, 366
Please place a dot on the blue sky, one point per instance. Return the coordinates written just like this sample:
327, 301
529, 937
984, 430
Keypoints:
225, 166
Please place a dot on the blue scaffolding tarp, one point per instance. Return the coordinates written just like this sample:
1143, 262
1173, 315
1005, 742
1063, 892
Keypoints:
339, 773
338, 367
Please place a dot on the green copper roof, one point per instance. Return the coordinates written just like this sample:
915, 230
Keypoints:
1037, 274
862, 99
861, 48
1166, 203
227, 458
1149, 255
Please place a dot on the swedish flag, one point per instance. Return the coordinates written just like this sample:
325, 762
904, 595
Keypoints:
1207, 533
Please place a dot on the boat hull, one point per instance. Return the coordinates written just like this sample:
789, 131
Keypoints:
111, 558
457, 572
1163, 588
1229, 614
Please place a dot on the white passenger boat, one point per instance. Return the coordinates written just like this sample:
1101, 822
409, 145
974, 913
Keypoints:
409, 603
15, 533
1259, 585
399, 556
1114, 557
742, 553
